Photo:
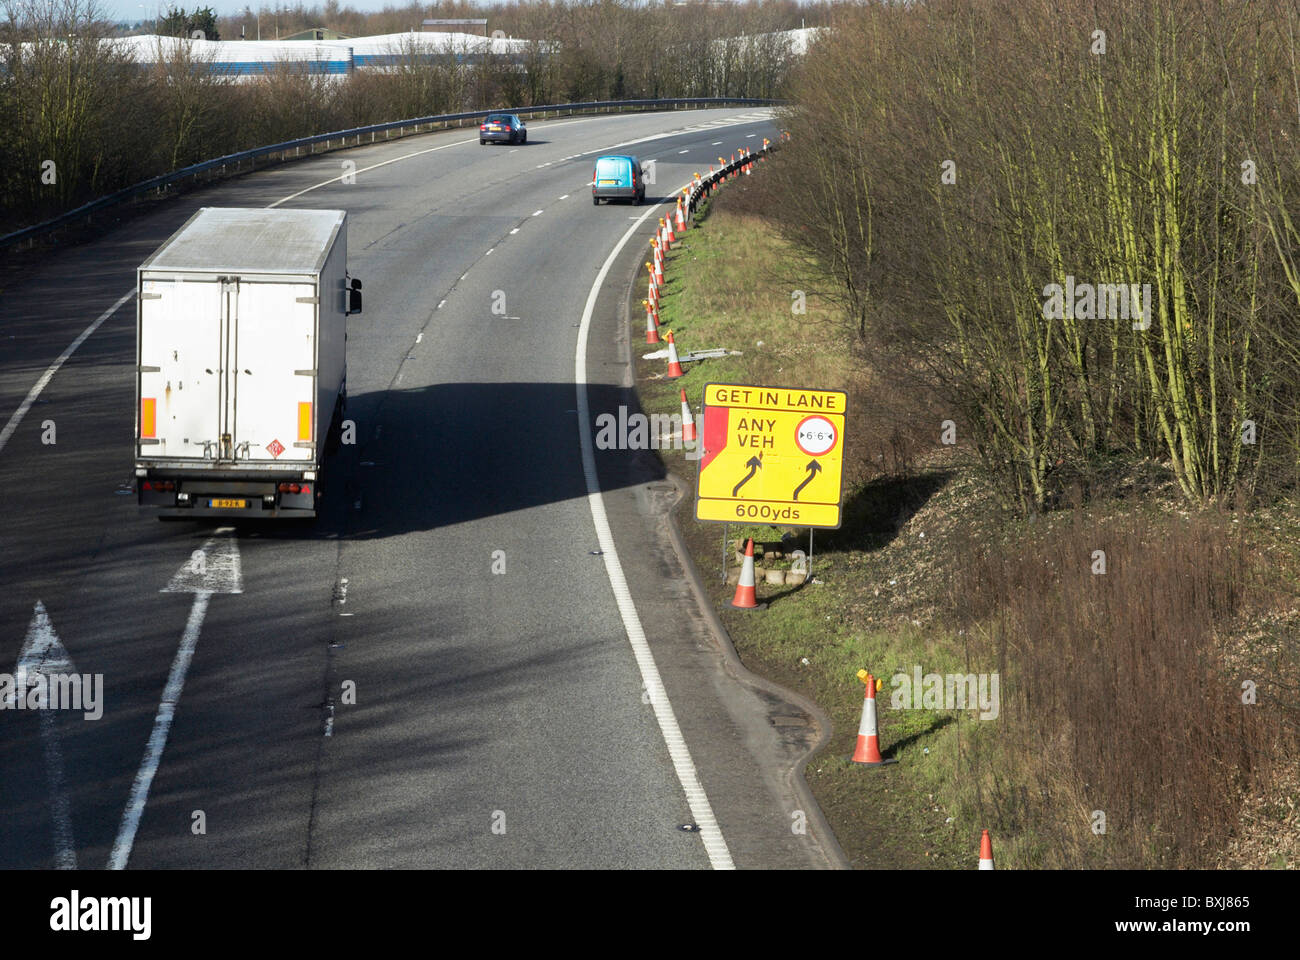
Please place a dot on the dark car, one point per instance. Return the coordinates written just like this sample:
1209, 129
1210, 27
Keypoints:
502, 128
618, 176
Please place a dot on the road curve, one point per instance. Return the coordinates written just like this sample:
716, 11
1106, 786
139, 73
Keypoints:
499, 719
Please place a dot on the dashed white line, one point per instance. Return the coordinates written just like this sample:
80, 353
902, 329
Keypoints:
537, 213
514, 231
489, 253
680, 152
565, 197
463, 276
441, 302
715, 143
750, 136
419, 336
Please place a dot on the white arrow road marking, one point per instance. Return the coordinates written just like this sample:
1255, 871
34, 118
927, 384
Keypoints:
43, 653
214, 569
714, 843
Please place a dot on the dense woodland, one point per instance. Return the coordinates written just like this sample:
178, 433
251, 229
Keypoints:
951, 161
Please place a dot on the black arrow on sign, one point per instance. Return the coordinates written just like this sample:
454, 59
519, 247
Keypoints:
813, 469
754, 463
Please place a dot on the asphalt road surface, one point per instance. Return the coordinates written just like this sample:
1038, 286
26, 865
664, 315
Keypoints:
499, 719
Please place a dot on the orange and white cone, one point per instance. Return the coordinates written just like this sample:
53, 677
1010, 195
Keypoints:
868, 751
668, 228
651, 325
745, 598
681, 214
986, 851
674, 365
688, 421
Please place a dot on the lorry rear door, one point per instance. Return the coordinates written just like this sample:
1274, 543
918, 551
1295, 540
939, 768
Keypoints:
273, 371
180, 367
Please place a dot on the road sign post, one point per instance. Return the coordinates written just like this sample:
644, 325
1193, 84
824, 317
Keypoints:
771, 455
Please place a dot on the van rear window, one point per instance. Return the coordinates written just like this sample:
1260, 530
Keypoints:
613, 167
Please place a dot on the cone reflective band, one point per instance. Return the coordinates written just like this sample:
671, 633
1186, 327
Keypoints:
668, 229
674, 365
868, 751
986, 851
651, 329
745, 598
688, 421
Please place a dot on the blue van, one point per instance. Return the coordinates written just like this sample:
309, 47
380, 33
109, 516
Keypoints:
617, 176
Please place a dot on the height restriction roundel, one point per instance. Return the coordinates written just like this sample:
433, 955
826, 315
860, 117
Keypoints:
816, 436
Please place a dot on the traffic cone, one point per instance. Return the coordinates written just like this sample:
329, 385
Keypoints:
986, 851
681, 214
688, 421
745, 598
651, 327
674, 365
668, 226
868, 751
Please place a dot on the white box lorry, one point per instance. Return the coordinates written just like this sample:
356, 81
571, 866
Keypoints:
241, 378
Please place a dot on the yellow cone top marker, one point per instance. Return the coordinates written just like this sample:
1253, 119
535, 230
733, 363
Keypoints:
863, 675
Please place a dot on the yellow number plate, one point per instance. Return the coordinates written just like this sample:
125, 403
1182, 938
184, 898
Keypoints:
234, 504
608, 183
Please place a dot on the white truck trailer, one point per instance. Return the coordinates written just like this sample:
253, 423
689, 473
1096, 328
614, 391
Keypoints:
241, 379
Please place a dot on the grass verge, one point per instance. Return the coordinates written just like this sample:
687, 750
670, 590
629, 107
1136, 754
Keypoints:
1120, 738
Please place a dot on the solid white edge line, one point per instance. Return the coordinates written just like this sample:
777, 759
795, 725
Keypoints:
162, 723
53, 368
710, 833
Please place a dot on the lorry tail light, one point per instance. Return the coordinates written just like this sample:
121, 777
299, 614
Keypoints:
304, 421
148, 417
162, 485
295, 488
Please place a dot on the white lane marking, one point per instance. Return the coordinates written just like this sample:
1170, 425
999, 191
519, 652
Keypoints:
715, 143
537, 213
514, 231
464, 275
326, 183
565, 197
35, 392
419, 336
213, 569
158, 738
750, 136
489, 253
43, 653
714, 844
680, 152
440, 304
53, 368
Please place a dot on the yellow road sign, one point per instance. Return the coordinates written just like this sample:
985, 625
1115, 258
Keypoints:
771, 455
